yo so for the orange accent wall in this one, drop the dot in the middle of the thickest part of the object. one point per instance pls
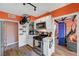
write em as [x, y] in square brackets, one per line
[71, 8]
[32, 18]
[4, 15]
[68, 9]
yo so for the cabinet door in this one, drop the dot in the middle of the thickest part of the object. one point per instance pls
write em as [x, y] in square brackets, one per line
[30, 40]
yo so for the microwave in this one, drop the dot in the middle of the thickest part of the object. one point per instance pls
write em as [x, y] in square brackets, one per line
[41, 25]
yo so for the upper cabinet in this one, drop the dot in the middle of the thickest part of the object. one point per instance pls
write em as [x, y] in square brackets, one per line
[44, 23]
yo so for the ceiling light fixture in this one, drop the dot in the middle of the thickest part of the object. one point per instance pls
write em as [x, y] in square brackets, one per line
[31, 5]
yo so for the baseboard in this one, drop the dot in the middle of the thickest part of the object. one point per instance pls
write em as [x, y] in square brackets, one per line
[29, 46]
[12, 43]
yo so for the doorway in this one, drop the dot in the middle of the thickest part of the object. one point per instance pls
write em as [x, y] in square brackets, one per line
[66, 36]
[61, 33]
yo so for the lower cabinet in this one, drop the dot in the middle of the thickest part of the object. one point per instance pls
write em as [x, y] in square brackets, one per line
[30, 40]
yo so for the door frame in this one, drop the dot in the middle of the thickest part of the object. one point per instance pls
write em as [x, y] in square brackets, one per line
[6, 20]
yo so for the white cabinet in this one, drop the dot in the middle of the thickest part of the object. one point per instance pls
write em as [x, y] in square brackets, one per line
[45, 46]
[47, 20]
[23, 34]
[30, 40]
[48, 46]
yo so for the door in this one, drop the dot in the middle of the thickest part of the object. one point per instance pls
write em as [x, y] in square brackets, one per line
[61, 33]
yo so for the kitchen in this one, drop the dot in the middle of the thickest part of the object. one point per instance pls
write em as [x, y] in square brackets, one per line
[37, 35]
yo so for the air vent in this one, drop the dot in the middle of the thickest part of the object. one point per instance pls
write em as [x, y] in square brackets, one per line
[11, 16]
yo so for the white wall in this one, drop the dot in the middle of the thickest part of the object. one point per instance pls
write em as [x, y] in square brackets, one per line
[78, 33]
[23, 36]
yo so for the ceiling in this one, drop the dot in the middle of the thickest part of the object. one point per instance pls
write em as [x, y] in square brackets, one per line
[20, 9]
